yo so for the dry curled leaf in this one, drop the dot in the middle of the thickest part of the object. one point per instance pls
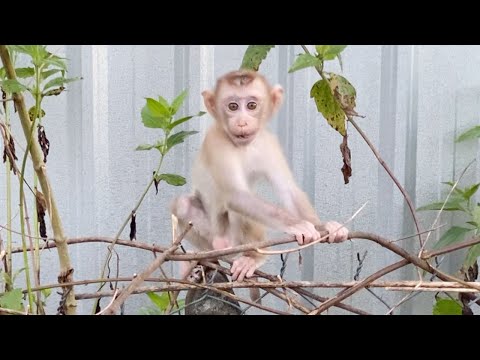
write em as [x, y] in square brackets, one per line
[4, 97]
[41, 209]
[10, 154]
[156, 181]
[133, 227]
[43, 141]
[347, 160]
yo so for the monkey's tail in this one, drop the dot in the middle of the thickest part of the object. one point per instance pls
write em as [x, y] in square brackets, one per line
[255, 295]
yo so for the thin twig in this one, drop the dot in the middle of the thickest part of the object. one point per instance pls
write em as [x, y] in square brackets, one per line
[380, 160]
[322, 239]
[110, 304]
[141, 277]
[4, 311]
[443, 206]
[326, 305]
[448, 249]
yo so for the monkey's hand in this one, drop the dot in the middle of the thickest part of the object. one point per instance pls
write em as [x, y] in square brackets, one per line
[336, 234]
[243, 267]
[304, 232]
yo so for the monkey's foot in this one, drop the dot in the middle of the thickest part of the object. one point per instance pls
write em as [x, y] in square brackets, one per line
[243, 267]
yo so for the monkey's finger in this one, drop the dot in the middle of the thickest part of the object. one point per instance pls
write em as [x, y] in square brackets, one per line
[243, 272]
[251, 271]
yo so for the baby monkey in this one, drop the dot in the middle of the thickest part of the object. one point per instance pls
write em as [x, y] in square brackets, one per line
[237, 151]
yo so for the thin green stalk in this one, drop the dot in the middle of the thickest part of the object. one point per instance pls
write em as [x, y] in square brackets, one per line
[36, 252]
[117, 236]
[22, 196]
[8, 260]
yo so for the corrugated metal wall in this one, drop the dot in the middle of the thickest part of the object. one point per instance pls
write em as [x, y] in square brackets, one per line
[416, 100]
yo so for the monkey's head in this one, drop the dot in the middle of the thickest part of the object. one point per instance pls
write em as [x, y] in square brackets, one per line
[242, 103]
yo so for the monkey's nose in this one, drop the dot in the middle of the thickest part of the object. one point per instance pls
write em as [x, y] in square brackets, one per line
[242, 125]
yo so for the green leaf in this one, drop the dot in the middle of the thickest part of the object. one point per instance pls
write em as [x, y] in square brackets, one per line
[344, 92]
[472, 133]
[48, 73]
[59, 81]
[451, 236]
[476, 214]
[32, 112]
[340, 61]
[178, 101]
[329, 52]
[182, 120]
[24, 49]
[450, 205]
[145, 147]
[12, 300]
[303, 61]
[161, 301]
[163, 102]
[172, 179]
[25, 72]
[328, 106]
[46, 293]
[254, 55]
[12, 86]
[150, 121]
[56, 61]
[178, 138]
[447, 307]
[473, 223]
[157, 109]
[2, 73]
[472, 256]
[468, 192]
[457, 190]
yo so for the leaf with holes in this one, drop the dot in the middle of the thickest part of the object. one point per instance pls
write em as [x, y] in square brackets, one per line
[447, 307]
[178, 138]
[329, 52]
[160, 301]
[328, 106]
[32, 112]
[12, 300]
[254, 55]
[472, 256]
[304, 61]
[172, 179]
[344, 93]
[472, 133]
[12, 86]
[451, 236]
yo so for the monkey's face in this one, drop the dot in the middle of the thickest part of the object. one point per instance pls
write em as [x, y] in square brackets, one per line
[243, 111]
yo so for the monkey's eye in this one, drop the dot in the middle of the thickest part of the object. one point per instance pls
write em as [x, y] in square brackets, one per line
[252, 105]
[233, 106]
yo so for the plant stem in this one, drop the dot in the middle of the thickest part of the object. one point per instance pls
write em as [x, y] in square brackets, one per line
[8, 259]
[379, 158]
[66, 270]
[125, 223]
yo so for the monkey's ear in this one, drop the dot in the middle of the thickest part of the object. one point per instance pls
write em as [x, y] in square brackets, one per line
[209, 101]
[277, 97]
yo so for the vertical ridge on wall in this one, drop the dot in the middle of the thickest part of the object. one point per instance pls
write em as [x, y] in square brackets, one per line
[387, 143]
